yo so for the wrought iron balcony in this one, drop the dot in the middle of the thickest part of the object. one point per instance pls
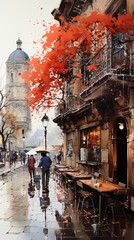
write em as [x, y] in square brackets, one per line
[71, 104]
[115, 58]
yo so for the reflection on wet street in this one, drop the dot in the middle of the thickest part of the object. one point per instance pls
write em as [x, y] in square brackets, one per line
[29, 212]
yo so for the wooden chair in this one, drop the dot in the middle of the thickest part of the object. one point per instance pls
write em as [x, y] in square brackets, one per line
[109, 179]
[122, 184]
[84, 196]
[115, 210]
[121, 196]
[107, 196]
[70, 183]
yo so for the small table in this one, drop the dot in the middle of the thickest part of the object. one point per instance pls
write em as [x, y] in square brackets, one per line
[57, 166]
[56, 169]
[67, 170]
[77, 175]
[61, 171]
[104, 187]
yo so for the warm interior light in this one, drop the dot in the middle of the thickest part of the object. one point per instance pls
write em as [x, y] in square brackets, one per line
[121, 126]
[84, 140]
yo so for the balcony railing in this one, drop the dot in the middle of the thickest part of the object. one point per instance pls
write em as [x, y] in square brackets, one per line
[117, 57]
[72, 103]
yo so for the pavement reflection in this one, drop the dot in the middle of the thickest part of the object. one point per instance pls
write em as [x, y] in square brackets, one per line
[30, 212]
[31, 189]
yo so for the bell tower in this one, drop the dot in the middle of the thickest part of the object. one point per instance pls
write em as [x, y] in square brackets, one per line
[16, 64]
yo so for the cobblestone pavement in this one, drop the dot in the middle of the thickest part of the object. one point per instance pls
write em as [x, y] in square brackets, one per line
[28, 212]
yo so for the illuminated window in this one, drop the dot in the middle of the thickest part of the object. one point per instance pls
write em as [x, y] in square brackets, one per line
[90, 138]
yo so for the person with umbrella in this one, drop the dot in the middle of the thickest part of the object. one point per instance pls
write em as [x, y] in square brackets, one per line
[45, 163]
[31, 166]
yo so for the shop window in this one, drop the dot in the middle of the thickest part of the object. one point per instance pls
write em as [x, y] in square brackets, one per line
[90, 139]
[69, 148]
[69, 152]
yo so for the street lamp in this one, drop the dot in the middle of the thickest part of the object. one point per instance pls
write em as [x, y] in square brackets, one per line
[45, 121]
[23, 138]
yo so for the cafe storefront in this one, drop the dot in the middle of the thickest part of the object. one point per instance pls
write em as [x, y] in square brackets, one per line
[90, 143]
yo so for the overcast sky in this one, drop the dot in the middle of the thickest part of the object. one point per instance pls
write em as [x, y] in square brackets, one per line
[24, 19]
[21, 18]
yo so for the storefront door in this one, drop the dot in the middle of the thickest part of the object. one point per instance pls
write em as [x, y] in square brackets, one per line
[121, 147]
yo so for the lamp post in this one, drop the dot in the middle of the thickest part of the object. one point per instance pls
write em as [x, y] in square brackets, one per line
[45, 120]
[23, 138]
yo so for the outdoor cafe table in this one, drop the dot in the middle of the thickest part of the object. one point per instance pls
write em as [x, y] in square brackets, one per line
[61, 171]
[57, 166]
[103, 187]
[67, 170]
[77, 175]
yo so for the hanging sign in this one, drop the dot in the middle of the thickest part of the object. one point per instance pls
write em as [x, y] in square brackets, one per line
[104, 155]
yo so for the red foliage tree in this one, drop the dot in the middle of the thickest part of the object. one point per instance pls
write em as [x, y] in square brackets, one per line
[61, 49]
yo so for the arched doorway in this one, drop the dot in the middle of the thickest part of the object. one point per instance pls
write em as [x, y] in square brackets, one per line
[121, 150]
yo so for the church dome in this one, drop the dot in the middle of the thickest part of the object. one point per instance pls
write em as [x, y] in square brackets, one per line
[18, 54]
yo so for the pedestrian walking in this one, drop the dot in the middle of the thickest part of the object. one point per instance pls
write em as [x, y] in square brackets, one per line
[14, 157]
[11, 156]
[23, 157]
[45, 163]
[31, 166]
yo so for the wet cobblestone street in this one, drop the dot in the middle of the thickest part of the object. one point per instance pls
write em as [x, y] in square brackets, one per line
[27, 212]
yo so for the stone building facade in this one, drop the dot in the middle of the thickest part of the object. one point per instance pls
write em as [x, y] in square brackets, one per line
[16, 64]
[98, 120]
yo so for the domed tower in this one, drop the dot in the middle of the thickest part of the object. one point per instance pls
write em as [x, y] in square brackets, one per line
[16, 64]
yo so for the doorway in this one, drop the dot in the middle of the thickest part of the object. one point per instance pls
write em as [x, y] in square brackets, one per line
[121, 147]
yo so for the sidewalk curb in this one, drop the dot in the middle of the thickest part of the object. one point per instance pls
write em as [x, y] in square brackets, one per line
[6, 171]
